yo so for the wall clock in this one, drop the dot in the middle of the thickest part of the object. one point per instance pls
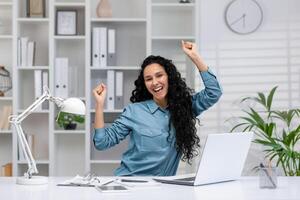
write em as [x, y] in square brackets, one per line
[243, 16]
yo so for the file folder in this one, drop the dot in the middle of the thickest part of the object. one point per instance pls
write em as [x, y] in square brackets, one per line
[45, 82]
[111, 50]
[110, 90]
[61, 77]
[103, 47]
[38, 85]
[119, 91]
[96, 47]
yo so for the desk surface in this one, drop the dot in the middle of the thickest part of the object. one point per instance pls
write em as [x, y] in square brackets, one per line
[245, 188]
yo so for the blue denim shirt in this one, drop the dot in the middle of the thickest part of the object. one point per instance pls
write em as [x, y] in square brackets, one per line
[150, 151]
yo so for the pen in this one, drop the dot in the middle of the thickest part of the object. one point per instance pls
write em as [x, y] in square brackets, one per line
[73, 184]
[107, 182]
[133, 181]
[268, 174]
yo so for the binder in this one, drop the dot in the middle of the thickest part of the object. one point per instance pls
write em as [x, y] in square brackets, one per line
[61, 77]
[45, 104]
[119, 100]
[96, 47]
[110, 90]
[38, 85]
[73, 81]
[103, 47]
[30, 141]
[21, 155]
[30, 53]
[111, 50]
[19, 52]
[24, 41]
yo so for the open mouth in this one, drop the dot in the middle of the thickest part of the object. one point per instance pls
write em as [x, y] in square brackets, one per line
[158, 89]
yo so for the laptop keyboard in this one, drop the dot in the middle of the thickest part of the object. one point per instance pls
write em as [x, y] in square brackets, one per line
[186, 179]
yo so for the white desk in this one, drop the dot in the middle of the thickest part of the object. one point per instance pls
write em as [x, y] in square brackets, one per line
[246, 188]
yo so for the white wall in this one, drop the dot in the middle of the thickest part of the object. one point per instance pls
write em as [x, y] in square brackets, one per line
[246, 64]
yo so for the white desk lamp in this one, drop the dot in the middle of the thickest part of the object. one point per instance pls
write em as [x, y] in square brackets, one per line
[71, 106]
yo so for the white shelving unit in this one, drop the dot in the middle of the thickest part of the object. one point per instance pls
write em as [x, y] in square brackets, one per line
[6, 59]
[143, 27]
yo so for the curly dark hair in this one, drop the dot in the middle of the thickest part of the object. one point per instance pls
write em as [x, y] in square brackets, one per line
[179, 98]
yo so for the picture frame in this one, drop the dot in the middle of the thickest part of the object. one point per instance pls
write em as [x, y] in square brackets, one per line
[35, 8]
[66, 22]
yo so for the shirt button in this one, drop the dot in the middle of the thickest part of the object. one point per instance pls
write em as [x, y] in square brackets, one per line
[166, 116]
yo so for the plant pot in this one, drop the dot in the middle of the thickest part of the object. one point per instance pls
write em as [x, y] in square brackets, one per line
[71, 126]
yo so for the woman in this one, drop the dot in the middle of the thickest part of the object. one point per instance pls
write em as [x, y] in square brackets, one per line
[161, 119]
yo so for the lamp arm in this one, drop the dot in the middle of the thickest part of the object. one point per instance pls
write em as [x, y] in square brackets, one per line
[16, 121]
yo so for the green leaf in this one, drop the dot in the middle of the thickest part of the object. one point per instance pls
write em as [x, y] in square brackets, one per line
[262, 99]
[270, 98]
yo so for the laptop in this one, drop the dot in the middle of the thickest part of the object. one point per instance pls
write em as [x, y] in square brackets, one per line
[222, 160]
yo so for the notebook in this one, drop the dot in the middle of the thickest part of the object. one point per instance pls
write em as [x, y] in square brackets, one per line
[222, 160]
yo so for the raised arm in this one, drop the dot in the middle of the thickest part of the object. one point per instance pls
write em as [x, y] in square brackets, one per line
[212, 91]
[99, 93]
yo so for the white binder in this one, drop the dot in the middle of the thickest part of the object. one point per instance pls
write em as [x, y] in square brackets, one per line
[45, 82]
[19, 54]
[61, 77]
[38, 85]
[30, 53]
[96, 47]
[111, 50]
[110, 90]
[103, 46]
[119, 100]
[24, 41]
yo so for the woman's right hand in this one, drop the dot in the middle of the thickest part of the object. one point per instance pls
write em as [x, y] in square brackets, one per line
[99, 93]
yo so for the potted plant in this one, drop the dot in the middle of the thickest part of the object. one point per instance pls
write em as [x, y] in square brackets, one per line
[69, 121]
[277, 130]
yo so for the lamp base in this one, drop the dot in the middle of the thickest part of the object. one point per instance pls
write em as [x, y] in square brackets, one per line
[34, 180]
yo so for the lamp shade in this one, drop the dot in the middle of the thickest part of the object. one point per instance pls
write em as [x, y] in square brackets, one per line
[73, 106]
[72, 111]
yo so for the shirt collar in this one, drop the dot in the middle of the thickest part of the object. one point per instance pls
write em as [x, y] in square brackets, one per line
[153, 107]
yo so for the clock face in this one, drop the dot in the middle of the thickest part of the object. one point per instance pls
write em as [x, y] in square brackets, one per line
[243, 16]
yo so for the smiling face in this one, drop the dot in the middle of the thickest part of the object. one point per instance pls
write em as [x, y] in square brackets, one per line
[156, 81]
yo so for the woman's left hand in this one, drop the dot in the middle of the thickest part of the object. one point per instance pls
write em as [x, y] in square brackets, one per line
[190, 49]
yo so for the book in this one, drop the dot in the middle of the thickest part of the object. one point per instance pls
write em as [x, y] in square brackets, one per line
[45, 82]
[19, 54]
[30, 53]
[5, 113]
[21, 156]
[24, 41]
[74, 84]
[30, 141]
[6, 170]
[6, 125]
[38, 88]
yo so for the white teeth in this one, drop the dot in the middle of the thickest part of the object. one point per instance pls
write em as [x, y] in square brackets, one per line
[157, 89]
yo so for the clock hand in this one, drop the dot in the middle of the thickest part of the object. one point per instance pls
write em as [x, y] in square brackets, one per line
[244, 25]
[237, 20]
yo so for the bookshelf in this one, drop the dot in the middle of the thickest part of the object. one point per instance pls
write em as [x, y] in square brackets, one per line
[6, 58]
[141, 30]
